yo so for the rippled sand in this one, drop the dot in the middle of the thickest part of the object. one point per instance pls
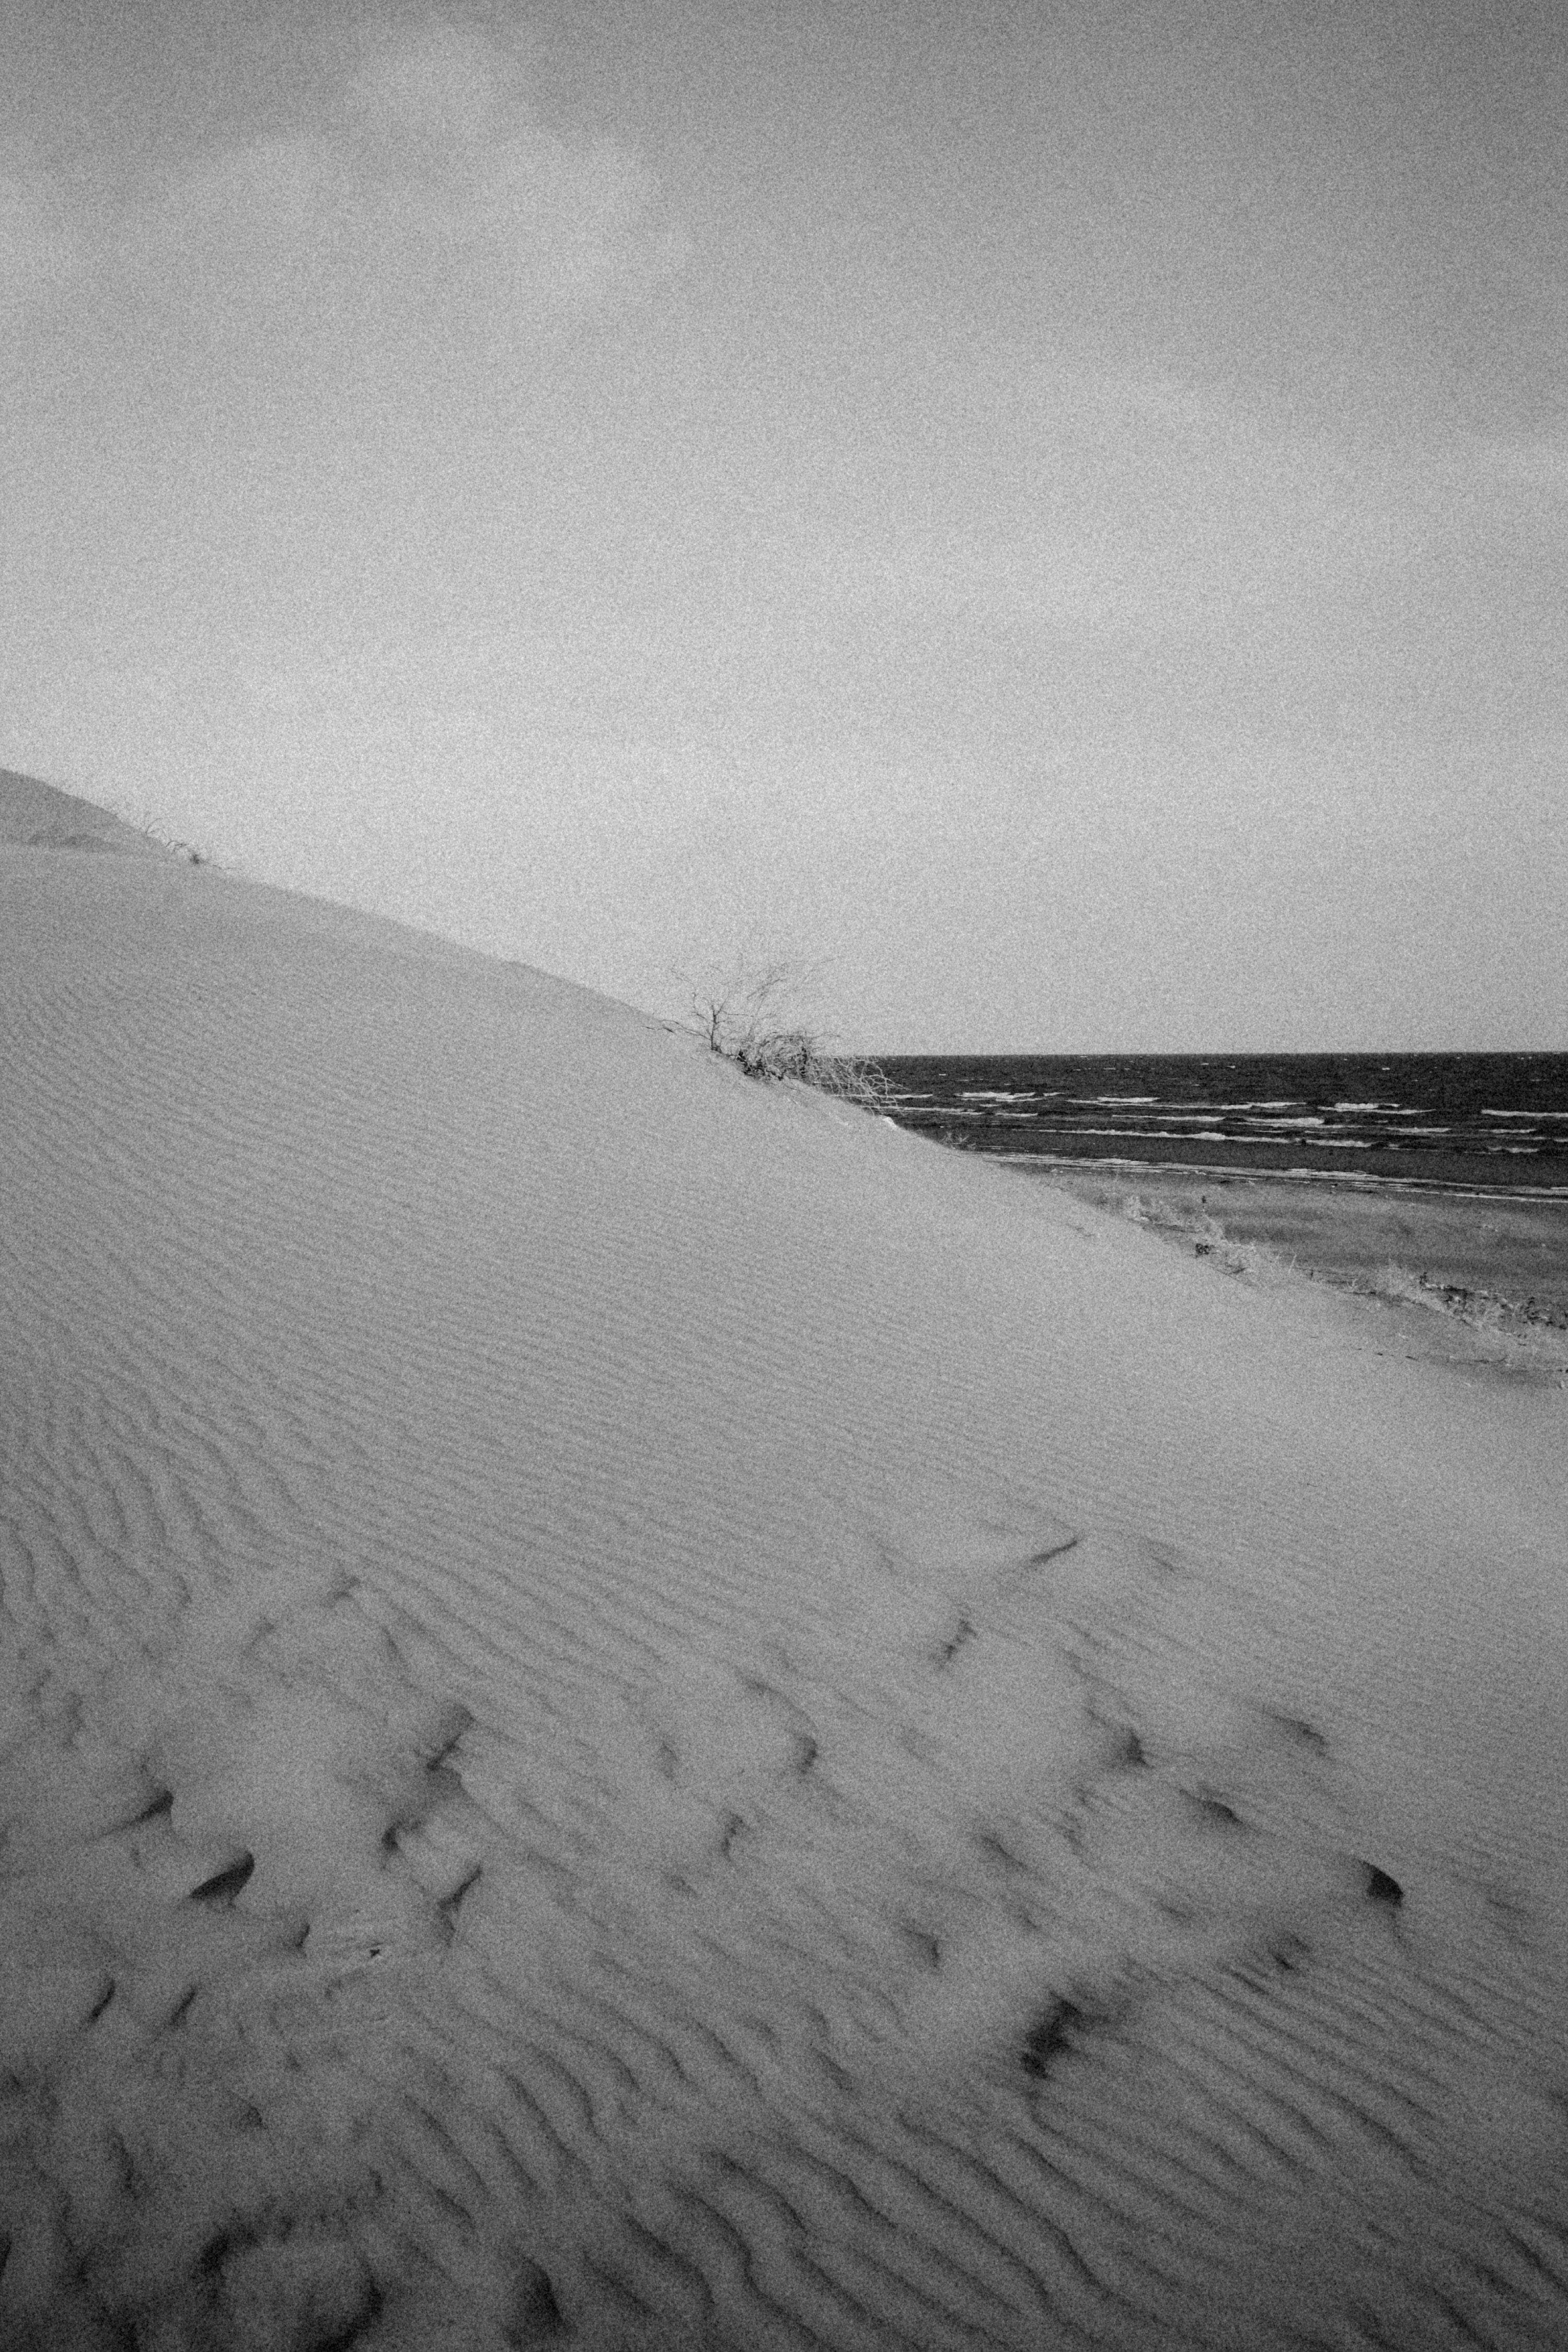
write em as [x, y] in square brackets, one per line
[640, 1711]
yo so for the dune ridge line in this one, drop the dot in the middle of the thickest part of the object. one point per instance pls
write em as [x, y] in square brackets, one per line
[636, 1710]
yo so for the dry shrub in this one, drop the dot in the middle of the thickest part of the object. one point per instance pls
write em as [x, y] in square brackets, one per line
[749, 1014]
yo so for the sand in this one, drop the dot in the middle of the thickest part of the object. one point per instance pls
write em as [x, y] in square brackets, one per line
[1477, 1280]
[641, 1711]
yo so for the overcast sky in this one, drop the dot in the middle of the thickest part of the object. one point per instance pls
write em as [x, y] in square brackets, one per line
[1056, 512]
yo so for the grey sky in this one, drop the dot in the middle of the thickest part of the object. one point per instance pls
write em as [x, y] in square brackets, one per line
[1058, 511]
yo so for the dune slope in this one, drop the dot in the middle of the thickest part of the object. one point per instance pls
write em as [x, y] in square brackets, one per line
[638, 1711]
[35, 815]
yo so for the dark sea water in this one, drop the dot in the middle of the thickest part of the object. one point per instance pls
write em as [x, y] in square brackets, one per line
[1463, 1121]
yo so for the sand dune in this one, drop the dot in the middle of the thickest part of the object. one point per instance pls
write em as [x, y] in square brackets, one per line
[639, 1711]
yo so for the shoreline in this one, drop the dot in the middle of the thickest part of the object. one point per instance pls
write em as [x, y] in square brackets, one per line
[1457, 1276]
[1219, 1172]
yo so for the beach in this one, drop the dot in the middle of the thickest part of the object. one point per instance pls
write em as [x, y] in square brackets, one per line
[1469, 1276]
[637, 1710]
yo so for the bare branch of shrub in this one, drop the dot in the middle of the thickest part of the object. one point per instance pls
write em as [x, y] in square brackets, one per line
[749, 1013]
[140, 818]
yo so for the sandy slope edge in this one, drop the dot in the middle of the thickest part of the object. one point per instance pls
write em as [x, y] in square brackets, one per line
[35, 815]
[640, 1711]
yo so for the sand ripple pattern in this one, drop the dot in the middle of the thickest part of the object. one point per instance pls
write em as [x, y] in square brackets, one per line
[640, 1713]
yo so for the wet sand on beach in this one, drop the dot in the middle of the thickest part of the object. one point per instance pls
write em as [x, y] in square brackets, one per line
[1487, 1263]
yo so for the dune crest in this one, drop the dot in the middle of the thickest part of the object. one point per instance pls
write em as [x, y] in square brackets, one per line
[638, 1711]
[35, 815]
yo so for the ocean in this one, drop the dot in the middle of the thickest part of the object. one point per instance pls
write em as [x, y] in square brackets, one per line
[1458, 1122]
